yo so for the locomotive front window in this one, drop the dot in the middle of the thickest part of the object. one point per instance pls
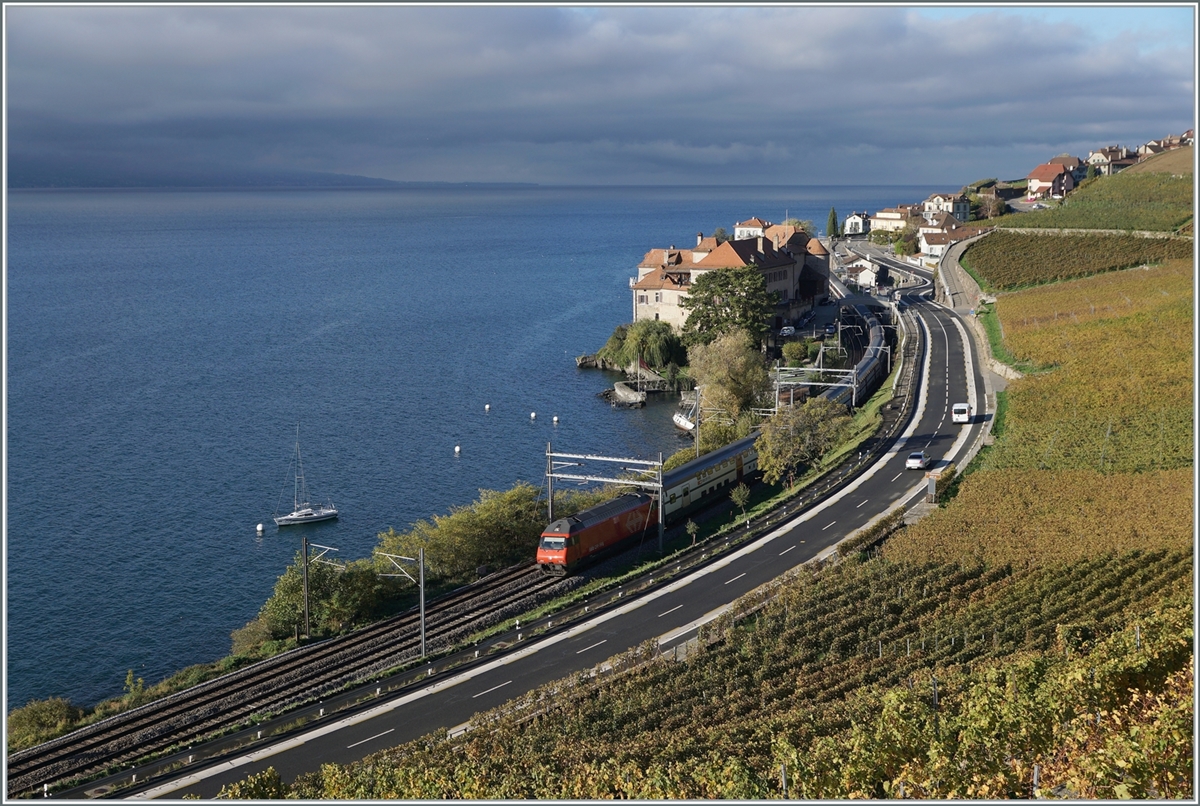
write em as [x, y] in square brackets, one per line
[554, 543]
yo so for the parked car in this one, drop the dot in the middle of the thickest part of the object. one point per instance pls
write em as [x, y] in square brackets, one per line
[831, 329]
[960, 413]
[917, 460]
[787, 331]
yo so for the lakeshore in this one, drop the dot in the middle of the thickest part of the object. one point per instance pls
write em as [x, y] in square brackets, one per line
[195, 312]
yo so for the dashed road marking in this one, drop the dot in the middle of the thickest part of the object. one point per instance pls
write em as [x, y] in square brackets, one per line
[490, 690]
[376, 736]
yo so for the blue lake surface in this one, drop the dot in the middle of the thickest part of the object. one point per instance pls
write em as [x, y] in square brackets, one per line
[163, 345]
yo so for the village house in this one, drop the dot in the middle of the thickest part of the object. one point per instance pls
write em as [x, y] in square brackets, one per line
[857, 224]
[937, 222]
[1049, 179]
[793, 266]
[935, 244]
[864, 272]
[1112, 159]
[956, 204]
[896, 219]
[1076, 166]
[750, 228]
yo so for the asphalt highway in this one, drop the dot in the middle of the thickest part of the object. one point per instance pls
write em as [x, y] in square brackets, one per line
[949, 374]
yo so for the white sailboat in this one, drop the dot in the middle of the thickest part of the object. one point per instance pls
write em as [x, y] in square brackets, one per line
[687, 422]
[303, 511]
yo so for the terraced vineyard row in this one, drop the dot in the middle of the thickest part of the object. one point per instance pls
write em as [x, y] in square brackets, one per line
[1009, 260]
[787, 685]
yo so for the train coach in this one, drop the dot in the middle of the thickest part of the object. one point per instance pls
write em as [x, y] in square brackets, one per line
[700, 483]
[569, 542]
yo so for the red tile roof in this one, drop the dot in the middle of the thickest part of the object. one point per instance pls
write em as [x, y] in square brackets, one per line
[1047, 171]
[658, 280]
[739, 254]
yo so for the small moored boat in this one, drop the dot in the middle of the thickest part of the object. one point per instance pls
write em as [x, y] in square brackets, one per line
[303, 511]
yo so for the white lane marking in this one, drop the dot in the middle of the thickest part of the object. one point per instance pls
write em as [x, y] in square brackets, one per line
[865, 500]
[593, 646]
[831, 523]
[672, 610]
[571, 632]
[736, 578]
[898, 475]
[785, 551]
[376, 736]
[490, 690]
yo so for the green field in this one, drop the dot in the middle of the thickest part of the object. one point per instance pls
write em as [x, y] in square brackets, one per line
[1134, 201]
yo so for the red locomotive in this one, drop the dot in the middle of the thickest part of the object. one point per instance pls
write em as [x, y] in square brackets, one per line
[568, 541]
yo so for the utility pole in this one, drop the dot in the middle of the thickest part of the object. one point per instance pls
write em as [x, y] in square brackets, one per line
[304, 574]
[420, 560]
[305, 577]
[549, 487]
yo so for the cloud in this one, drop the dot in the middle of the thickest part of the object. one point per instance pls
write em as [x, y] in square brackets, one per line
[587, 95]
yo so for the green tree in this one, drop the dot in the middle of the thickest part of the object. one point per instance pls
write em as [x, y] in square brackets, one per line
[798, 436]
[725, 300]
[803, 224]
[498, 529]
[654, 340]
[741, 496]
[720, 234]
[731, 373]
[692, 529]
[907, 244]
[992, 206]
[832, 227]
[795, 352]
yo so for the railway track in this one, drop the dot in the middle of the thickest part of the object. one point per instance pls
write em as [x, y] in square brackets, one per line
[270, 686]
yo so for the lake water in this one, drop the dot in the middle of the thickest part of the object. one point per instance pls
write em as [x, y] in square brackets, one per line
[163, 345]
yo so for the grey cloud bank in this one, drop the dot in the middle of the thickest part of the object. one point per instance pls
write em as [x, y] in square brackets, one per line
[805, 95]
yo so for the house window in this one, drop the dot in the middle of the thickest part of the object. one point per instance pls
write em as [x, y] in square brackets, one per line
[641, 299]
[658, 296]
[655, 317]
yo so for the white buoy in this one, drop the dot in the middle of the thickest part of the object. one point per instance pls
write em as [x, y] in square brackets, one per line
[457, 449]
[556, 419]
[259, 529]
[533, 415]
[487, 406]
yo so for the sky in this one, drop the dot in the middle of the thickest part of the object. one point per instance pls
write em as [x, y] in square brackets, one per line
[605, 94]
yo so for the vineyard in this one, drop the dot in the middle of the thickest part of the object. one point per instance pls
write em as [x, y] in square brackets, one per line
[1011, 260]
[1049, 517]
[1152, 202]
[831, 683]
[1120, 396]
[1031, 638]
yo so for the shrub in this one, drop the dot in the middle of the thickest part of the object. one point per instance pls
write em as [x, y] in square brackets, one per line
[39, 721]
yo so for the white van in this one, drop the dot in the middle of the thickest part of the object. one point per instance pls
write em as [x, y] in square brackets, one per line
[960, 413]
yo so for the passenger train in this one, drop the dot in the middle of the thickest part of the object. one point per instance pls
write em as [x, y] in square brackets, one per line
[570, 542]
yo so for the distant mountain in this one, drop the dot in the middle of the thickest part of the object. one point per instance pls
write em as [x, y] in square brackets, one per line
[44, 173]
